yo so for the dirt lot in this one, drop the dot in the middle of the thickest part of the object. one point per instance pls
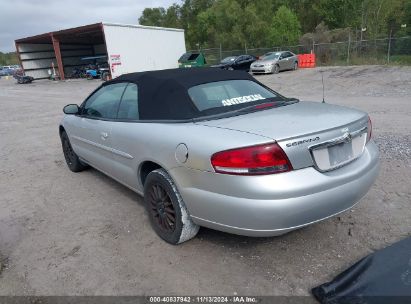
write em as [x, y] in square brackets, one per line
[84, 234]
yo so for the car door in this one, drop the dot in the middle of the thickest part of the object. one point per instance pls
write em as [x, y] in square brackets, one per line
[90, 134]
[282, 61]
[289, 60]
[249, 60]
[126, 132]
[239, 63]
[244, 63]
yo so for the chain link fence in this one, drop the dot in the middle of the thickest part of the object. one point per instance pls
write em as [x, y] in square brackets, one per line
[377, 51]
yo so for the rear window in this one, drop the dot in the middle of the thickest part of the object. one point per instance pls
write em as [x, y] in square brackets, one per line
[223, 96]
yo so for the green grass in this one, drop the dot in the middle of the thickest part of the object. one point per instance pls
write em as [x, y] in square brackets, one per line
[400, 59]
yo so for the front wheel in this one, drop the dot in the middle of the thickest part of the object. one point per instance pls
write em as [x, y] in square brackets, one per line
[72, 160]
[166, 209]
[276, 69]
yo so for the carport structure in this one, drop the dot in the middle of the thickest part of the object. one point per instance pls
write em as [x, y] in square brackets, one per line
[62, 50]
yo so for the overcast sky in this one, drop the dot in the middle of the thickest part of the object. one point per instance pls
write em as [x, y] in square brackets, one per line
[23, 18]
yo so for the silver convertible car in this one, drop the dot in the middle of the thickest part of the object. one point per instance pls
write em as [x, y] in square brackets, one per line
[215, 148]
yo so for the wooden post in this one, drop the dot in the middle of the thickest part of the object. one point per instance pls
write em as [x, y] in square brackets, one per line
[56, 46]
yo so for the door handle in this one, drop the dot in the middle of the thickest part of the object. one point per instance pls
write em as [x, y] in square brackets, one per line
[104, 135]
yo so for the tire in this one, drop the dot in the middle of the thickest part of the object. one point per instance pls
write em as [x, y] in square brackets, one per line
[166, 209]
[230, 69]
[72, 160]
[89, 77]
[276, 69]
[105, 76]
[295, 67]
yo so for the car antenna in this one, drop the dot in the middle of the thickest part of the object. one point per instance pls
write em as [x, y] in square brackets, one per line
[322, 80]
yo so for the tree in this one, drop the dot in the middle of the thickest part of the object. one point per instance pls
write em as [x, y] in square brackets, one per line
[234, 23]
[172, 17]
[153, 16]
[339, 13]
[8, 58]
[285, 27]
[159, 16]
[190, 11]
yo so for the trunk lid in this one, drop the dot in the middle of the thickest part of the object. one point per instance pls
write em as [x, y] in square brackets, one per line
[301, 126]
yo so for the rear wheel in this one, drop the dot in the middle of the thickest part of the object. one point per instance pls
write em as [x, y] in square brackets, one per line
[166, 209]
[295, 66]
[276, 69]
[72, 160]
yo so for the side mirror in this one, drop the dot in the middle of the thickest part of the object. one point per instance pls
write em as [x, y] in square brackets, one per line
[71, 109]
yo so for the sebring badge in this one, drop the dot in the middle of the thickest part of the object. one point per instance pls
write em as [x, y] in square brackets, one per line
[300, 142]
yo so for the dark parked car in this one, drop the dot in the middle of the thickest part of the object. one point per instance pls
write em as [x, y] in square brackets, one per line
[241, 62]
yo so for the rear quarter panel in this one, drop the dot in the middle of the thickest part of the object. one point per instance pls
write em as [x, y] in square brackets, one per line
[157, 142]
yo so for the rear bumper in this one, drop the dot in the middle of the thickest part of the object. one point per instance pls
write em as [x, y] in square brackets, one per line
[274, 204]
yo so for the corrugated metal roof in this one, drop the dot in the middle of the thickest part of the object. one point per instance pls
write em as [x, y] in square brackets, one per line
[144, 26]
[42, 38]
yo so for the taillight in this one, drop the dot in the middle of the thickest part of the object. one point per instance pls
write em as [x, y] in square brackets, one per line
[369, 129]
[254, 160]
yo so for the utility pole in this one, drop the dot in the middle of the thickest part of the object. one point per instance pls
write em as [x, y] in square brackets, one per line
[349, 46]
[389, 47]
[221, 53]
[362, 20]
[245, 46]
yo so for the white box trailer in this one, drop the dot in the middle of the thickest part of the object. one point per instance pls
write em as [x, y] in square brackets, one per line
[133, 48]
[126, 48]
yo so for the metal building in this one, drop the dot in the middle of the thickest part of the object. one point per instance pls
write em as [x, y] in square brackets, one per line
[128, 48]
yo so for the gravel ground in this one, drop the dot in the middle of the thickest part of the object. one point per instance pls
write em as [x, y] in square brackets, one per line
[84, 234]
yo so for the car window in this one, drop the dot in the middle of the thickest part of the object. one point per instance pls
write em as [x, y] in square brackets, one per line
[229, 59]
[271, 56]
[104, 102]
[222, 94]
[129, 103]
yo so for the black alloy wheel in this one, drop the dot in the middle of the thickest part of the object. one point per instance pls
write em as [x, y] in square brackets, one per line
[161, 208]
[166, 209]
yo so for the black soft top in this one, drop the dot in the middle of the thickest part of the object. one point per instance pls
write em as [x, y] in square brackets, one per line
[162, 95]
